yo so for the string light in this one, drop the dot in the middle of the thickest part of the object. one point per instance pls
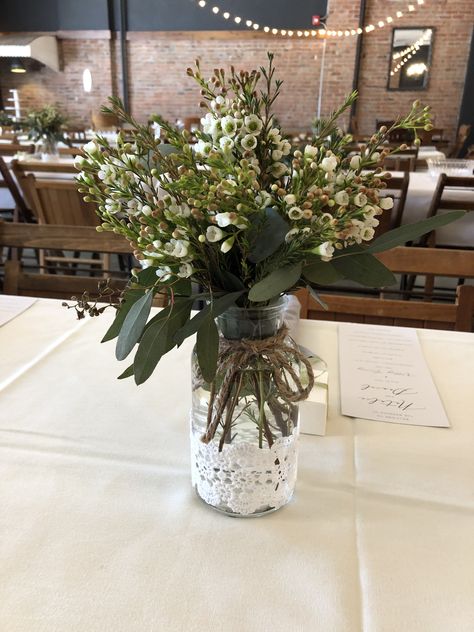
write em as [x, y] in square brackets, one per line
[410, 8]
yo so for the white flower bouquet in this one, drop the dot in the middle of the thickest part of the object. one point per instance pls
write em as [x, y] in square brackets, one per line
[238, 213]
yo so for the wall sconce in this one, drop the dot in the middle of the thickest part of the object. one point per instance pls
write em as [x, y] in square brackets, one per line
[87, 80]
[16, 65]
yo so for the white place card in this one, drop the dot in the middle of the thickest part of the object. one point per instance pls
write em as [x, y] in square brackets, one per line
[384, 376]
[13, 306]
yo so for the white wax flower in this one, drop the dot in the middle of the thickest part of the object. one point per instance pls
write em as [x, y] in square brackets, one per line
[325, 250]
[227, 244]
[213, 233]
[185, 270]
[278, 169]
[164, 273]
[249, 142]
[355, 162]
[360, 199]
[290, 235]
[177, 248]
[295, 213]
[226, 143]
[386, 203]
[263, 199]
[181, 210]
[310, 151]
[146, 210]
[207, 123]
[285, 147]
[253, 124]
[290, 199]
[367, 233]
[202, 148]
[277, 154]
[91, 148]
[371, 222]
[228, 125]
[342, 198]
[79, 161]
[226, 219]
[329, 163]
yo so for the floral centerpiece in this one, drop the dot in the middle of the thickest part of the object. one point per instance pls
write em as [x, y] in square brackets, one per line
[46, 128]
[244, 219]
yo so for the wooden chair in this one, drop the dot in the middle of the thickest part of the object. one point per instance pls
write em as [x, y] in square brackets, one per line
[404, 160]
[443, 199]
[101, 121]
[396, 136]
[21, 169]
[461, 138]
[59, 202]
[382, 311]
[21, 211]
[9, 137]
[70, 151]
[11, 149]
[429, 137]
[77, 238]
[397, 187]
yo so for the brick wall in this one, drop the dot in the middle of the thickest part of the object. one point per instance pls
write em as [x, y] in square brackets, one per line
[453, 23]
[158, 82]
[65, 88]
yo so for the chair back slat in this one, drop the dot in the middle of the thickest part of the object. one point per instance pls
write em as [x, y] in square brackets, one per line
[397, 188]
[71, 238]
[10, 149]
[59, 202]
[446, 188]
[80, 238]
[422, 261]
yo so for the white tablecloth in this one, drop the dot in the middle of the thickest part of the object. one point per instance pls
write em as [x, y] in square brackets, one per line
[100, 530]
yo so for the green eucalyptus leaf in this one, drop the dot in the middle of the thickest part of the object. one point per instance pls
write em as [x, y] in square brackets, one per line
[133, 325]
[322, 272]
[127, 373]
[364, 269]
[217, 307]
[147, 276]
[131, 297]
[275, 283]
[400, 236]
[158, 338]
[268, 236]
[183, 287]
[207, 348]
[227, 281]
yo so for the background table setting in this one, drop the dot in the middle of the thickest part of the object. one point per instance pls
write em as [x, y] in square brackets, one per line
[101, 530]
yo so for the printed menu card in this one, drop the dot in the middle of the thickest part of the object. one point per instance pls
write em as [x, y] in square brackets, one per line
[384, 376]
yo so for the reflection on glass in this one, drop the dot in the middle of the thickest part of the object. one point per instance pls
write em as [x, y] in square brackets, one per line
[410, 58]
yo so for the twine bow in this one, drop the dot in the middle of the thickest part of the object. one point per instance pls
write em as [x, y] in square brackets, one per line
[275, 355]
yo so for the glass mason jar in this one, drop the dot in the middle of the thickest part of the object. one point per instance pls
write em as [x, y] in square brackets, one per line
[47, 148]
[244, 425]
